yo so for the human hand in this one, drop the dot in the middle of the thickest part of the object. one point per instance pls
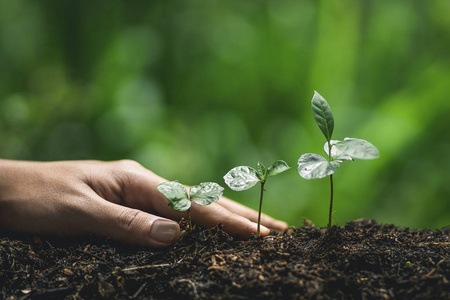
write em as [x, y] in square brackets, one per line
[113, 199]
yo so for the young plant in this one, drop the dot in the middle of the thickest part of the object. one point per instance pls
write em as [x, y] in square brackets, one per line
[313, 166]
[203, 194]
[242, 178]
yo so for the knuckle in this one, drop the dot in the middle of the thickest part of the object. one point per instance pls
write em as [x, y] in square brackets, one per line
[128, 164]
[128, 217]
[124, 171]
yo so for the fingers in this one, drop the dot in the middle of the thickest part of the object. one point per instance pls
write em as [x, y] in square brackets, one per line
[135, 226]
[251, 214]
[69, 198]
[234, 224]
[137, 188]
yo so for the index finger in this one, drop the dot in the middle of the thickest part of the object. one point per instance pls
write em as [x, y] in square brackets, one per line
[251, 214]
[234, 224]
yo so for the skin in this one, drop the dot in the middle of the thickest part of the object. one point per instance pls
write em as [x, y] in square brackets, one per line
[115, 199]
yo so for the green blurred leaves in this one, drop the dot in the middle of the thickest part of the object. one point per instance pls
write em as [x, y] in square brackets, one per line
[191, 90]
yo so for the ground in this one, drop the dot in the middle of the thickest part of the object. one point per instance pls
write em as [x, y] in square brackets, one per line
[360, 260]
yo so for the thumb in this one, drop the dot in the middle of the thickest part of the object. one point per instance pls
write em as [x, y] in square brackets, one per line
[134, 226]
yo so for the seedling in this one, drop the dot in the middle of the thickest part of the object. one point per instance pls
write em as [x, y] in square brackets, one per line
[203, 194]
[313, 166]
[242, 178]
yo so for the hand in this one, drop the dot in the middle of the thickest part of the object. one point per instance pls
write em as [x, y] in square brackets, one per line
[112, 199]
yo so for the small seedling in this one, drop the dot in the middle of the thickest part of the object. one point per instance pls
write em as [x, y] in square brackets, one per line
[313, 166]
[242, 178]
[203, 194]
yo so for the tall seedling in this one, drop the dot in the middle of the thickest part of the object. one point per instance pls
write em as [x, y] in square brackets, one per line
[313, 166]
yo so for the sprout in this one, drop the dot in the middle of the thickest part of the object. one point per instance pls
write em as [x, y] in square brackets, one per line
[313, 166]
[242, 178]
[203, 194]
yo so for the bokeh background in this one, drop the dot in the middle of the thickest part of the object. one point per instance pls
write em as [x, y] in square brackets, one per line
[191, 89]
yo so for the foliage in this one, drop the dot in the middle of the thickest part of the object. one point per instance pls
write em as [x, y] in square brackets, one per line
[189, 88]
[242, 178]
[313, 166]
[203, 194]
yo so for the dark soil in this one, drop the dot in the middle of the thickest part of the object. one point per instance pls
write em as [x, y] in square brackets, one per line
[361, 260]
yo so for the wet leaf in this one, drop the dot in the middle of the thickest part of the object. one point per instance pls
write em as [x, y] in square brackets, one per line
[206, 193]
[241, 178]
[261, 171]
[323, 115]
[176, 193]
[314, 166]
[336, 153]
[356, 148]
[277, 167]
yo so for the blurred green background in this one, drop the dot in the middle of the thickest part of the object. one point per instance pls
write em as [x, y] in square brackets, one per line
[191, 89]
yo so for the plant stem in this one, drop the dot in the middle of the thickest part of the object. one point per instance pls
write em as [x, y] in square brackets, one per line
[329, 150]
[330, 214]
[189, 217]
[331, 202]
[260, 207]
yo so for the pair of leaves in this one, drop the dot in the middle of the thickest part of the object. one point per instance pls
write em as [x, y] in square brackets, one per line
[243, 177]
[203, 194]
[313, 166]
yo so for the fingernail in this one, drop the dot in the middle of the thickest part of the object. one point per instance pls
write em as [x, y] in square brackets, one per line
[166, 232]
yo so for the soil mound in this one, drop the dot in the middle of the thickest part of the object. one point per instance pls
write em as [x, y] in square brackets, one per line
[361, 260]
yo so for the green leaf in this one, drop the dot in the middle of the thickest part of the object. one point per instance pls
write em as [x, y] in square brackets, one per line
[241, 178]
[261, 171]
[314, 166]
[206, 193]
[323, 115]
[176, 193]
[357, 148]
[277, 167]
[336, 153]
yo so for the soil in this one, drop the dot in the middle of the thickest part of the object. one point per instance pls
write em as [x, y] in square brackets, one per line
[360, 260]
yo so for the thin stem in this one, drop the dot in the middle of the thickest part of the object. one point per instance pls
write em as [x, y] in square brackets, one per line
[331, 202]
[260, 207]
[330, 214]
[329, 150]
